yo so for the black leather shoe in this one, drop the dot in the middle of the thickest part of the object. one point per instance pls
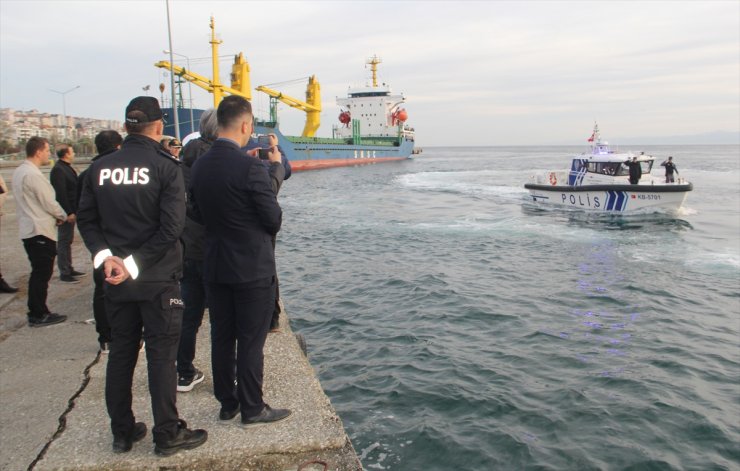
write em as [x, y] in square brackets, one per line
[122, 444]
[185, 439]
[267, 416]
[46, 319]
[77, 273]
[6, 288]
[228, 414]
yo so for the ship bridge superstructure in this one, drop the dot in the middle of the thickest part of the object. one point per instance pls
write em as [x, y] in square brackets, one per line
[372, 110]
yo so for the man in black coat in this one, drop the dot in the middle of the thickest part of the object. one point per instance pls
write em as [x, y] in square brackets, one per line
[635, 170]
[106, 142]
[63, 178]
[233, 196]
[131, 215]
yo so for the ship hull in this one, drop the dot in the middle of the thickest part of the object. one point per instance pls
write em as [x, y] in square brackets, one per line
[317, 155]
[611, 198]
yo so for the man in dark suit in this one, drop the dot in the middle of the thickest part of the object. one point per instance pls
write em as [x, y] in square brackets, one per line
[63, 178]
[233, 196]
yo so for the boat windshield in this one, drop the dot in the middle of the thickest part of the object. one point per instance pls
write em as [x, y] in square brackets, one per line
[617, 168]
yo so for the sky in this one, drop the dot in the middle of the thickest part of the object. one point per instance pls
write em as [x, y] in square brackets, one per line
[474, 73]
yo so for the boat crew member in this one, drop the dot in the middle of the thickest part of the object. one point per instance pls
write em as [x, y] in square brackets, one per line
[635, 170]
[63, 178]
[131, 216]
[670, 167]
[38, 215]
[233, 196]
[106, 142]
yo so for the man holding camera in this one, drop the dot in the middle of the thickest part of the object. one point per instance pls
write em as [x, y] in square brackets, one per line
[233, 197]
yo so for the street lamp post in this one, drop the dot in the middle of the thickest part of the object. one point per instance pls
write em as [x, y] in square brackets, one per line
[190, 88]
[64, 106]
[172, 75]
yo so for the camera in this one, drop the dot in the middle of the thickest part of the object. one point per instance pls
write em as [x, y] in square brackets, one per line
[263, 140]
[264, 154]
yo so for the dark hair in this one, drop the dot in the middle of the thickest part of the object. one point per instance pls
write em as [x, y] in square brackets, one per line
[108, 140]
[138, 128]
[63, 150]
[231, 109]
[34, 145]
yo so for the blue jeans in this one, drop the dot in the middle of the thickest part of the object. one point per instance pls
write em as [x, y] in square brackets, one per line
[194, 297]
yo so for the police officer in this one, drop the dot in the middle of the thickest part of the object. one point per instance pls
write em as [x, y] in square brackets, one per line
[670, 167]
[131, 215]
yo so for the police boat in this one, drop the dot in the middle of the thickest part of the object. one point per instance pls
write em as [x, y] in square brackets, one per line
[599, 181]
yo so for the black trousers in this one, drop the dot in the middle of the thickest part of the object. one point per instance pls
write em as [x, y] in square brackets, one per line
[102, 325]
[194, 296]
[41, 252]
[157, 309]
[65, 237]
[240, 319]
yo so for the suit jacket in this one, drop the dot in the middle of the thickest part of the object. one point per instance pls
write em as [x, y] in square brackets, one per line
[64, 180]
[232, 195]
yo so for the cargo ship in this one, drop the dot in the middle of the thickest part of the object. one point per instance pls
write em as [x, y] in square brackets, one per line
[371, 124]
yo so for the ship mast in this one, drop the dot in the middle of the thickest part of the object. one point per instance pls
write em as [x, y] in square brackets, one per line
[216, 82]
[374, 61]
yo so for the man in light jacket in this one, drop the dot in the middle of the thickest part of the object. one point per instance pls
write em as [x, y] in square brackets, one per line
[39, 214]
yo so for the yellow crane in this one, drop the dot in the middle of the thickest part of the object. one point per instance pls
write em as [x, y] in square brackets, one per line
[312, 105]
[241, 85]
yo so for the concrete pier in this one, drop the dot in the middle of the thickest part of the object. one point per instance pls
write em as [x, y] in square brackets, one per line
[52, 407]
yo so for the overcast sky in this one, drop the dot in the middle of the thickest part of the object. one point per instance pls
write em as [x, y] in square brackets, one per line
[473, 73]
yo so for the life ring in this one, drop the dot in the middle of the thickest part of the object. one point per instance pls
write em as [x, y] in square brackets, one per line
[553, 179]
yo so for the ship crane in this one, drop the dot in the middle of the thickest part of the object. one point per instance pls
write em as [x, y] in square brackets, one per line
[240, 85]
[312, 105]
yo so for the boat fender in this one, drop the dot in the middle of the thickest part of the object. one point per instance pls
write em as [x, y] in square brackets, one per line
[553, 179]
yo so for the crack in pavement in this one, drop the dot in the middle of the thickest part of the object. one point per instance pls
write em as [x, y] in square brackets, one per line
[63, 417]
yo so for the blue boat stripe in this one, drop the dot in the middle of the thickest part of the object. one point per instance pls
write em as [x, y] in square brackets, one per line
[610, 200]
[620, 200]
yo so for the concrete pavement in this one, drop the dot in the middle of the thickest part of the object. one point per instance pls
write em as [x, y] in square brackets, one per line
[52, 409]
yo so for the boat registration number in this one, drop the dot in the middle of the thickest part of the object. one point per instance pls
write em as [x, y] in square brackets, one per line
[648, 197]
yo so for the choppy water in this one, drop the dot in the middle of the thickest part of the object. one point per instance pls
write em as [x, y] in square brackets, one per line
[455, 327]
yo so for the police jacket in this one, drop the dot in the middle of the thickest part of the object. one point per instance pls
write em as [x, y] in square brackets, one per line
[83, 174]
[232, 195]
[670, 167]
[133, 207]
[635, 169]
[64, 180]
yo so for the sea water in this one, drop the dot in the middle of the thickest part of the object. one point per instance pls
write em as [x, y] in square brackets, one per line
[456, 326]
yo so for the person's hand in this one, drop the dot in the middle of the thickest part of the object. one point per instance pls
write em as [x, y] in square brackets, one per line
[273, 139]
[115, 271]
[254, 153]
[275, 155]
[72, 218]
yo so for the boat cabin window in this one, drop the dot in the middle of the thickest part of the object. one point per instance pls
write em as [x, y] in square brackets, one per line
[606, 168]
[617, 168]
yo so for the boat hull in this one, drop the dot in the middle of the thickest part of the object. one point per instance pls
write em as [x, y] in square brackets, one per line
[611, 198]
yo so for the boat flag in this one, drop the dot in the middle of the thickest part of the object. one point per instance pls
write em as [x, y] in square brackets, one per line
[591, 139]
